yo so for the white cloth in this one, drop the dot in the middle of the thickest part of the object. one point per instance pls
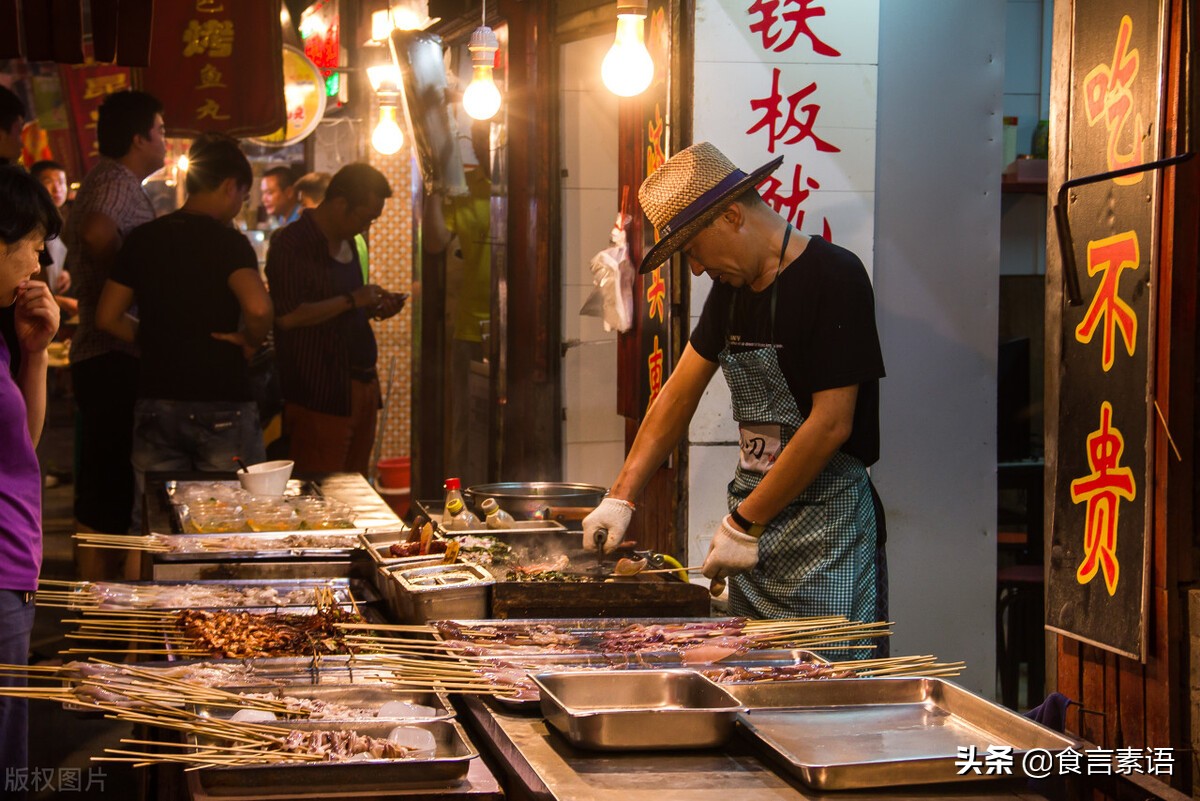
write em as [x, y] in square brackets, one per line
[612, 515]
[731, 552]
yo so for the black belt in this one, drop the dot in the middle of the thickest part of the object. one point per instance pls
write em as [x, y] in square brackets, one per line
[26, 596]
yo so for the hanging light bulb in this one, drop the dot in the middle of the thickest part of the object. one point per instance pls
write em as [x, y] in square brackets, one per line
[482, 98]
[628, 69]
[387, 137]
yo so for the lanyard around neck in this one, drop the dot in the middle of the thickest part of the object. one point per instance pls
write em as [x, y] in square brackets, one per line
[787, 235]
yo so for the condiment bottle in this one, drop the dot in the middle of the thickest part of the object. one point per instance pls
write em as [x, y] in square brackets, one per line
[453, 488]
[461, 518]
[496, 517]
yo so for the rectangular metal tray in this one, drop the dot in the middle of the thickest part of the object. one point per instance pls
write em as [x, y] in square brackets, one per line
[273, 546]
[840, 734]
[418, 602]
[448, 766]
[623, 710]
[359, 696]
[377, 543]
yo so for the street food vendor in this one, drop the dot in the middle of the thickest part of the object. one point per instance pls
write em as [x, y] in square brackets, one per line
[790, 320]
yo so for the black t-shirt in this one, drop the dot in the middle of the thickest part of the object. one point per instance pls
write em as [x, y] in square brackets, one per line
[178, 267]
[824, 333]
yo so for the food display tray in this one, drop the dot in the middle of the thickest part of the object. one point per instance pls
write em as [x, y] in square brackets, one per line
[422, 596]
[841, 734]
[377, 543]
[207, 547]
[638, 709]
[448, 766]
[359, 696]
[141, 594]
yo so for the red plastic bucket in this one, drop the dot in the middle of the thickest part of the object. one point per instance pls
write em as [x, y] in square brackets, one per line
[395, 472]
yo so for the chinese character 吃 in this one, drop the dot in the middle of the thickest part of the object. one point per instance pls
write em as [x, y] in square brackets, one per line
[1108, 95]
[798, 18]
[1103, 491]
[214, 37]
[778, 128]
[1111, 256]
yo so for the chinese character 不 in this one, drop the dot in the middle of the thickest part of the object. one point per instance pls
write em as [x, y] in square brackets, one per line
[1111, 256]
[655, 371]
[773, 116]
[210, 109]
[656, 295]
[101, 85]
[798, 19]
[214, 37]
[1103, 490]
[210, 78]
[1107, 96]
[968, 760]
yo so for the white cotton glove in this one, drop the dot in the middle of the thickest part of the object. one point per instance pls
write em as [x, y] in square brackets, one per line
[612, 515]
[731, 551]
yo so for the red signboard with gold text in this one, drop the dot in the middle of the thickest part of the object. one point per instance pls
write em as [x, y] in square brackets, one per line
[85, 86]
[216, 66]
[1098, 572]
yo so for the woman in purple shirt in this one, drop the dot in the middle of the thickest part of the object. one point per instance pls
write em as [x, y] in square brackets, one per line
[27, 220]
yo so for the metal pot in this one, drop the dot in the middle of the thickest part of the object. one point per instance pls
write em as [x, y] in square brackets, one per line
[537, 500]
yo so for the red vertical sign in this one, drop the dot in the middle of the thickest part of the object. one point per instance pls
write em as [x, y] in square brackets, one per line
[85, 87]
[217, 65]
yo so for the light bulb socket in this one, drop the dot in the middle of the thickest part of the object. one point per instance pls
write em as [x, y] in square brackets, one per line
[631, 7]
[483, 46]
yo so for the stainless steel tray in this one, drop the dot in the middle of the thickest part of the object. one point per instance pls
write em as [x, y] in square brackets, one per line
[422, 594]
[840, 734]
[377, 543]
[448, 765]
[638, 709]
[147, 595]
[364, 702]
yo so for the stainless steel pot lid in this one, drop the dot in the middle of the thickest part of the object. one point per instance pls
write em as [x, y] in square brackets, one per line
[547, 490]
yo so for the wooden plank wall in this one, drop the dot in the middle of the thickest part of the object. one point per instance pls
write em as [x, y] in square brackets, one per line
[1125, 703]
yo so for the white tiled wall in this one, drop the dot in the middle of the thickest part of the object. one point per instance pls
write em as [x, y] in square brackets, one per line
[593, 432]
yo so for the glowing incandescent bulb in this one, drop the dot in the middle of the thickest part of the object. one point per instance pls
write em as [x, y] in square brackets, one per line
[628, 69]
[482, 98]
[387, 137]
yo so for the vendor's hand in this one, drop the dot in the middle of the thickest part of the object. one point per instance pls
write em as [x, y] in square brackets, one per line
[36, 316]
[612, 515]
[63, 283]
[732, 551]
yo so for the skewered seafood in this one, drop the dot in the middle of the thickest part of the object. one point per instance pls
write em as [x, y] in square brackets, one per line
[339, 745]
[107, 595]
[242, 634]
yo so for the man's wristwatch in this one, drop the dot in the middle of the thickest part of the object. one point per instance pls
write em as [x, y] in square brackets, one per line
[753, 529]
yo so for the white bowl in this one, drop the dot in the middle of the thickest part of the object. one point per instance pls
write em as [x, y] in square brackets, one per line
[267, 478]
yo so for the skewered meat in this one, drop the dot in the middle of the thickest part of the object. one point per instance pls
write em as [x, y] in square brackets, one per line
[239, 635]
[744, 674]
[338, 745]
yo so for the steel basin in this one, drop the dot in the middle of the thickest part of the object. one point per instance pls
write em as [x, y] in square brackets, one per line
[532, 500]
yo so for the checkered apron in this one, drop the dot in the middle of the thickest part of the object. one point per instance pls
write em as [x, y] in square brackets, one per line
[817, 556]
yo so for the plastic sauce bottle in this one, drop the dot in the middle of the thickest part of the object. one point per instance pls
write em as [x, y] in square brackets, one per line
[461, 518]
[453, 487]
[496, 517]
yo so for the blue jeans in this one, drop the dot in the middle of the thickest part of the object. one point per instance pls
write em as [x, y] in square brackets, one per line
[194, 435]
[16, 623]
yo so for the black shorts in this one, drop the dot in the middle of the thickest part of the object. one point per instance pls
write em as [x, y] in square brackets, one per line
[105, 390]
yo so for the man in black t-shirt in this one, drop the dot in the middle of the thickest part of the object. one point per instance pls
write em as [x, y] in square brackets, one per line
[203, 310]
[791, 322]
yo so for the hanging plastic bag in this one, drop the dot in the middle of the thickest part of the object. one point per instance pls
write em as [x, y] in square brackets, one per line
[611, 298]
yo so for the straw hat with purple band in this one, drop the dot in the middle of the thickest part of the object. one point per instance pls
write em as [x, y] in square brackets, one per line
[688, 192]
